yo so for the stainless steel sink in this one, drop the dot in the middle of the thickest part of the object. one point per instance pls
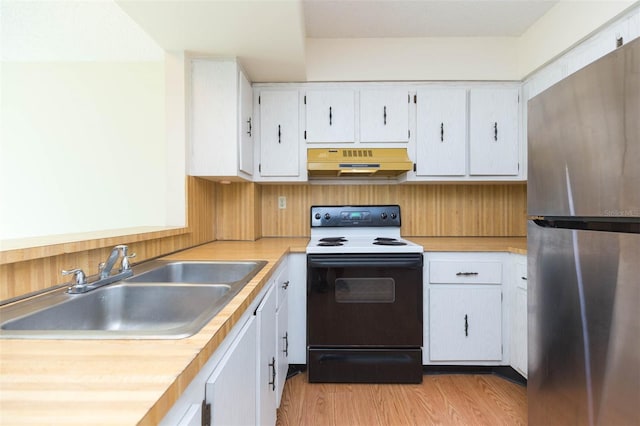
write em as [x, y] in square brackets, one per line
[196, 272]
[171, 300]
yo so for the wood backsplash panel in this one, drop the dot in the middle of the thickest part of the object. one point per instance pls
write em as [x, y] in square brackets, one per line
[238, 211]
[28, 276]
[427, 210]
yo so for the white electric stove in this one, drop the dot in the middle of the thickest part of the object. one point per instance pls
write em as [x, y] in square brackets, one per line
[358, 229]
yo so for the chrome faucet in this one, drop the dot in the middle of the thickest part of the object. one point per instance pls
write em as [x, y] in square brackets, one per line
[104, 276]
[106, 267]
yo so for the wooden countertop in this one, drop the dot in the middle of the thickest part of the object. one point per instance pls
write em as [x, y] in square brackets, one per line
[517, 245]
[137, 381]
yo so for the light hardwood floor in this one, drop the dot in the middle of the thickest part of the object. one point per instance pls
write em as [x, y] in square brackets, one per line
[449, 399]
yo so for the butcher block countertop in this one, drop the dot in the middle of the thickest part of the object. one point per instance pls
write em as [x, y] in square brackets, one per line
[127, 382]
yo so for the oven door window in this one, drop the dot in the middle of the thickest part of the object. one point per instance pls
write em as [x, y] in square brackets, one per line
[365, 290]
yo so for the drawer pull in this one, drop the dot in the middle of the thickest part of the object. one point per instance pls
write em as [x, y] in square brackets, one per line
[523, 278]
[466, 274]
[285, 285]
[466, 326]
[272, 364]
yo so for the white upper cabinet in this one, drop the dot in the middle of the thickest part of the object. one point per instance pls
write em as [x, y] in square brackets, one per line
[330, 115]
[220, 106]
[384, 115]
[493, 132]
[441, 132]
[279, 133]
[246, 125]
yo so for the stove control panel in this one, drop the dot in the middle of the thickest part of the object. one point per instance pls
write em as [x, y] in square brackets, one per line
[355, 216]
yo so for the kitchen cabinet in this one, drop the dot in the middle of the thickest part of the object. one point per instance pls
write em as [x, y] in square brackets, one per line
[229, 371]
[465, 324]
[282, 285]
[463, 310]
[279, 146]
[441, 132]
[297, 299]
[519, 315]
[221, 107]
[384, 115]
[231, 389]
[493, 131]
[266, 359]
[330, 115]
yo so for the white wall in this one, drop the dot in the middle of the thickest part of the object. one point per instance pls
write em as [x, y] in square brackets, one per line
[84, 137]
[563, 26]
[83, 147]
[444, 58]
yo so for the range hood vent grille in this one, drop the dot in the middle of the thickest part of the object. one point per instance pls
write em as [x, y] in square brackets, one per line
[350, 162]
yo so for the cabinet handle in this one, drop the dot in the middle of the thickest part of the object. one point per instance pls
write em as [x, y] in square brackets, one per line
[272, 364]
[523, 278]
[384, 115]
[466, 274]
[330, 117]
[466, 326]
[441, 132]
[279, 134]
[286, 344]
[495, 131]
[285, 285]
[249, 121]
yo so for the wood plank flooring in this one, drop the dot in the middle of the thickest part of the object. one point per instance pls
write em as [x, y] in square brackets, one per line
[447, 399]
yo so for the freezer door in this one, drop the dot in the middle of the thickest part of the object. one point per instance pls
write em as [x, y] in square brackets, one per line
[584, 328]
[584, 141]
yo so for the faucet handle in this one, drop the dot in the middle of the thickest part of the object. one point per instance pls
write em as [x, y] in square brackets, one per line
[125, 261]
[79, 276]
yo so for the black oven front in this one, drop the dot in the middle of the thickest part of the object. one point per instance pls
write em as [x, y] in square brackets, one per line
[364, 318]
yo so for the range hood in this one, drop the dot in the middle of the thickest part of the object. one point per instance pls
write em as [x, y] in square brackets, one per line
[357, 162]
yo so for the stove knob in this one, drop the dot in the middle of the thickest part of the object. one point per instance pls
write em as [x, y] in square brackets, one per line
[383, 215]
[393, 215]
[317, 216]
[327, 216]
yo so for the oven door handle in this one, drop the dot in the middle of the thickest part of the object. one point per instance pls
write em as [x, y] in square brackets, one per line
[345, 261]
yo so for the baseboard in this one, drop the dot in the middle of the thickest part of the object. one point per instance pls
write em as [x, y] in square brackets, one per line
[504, 371]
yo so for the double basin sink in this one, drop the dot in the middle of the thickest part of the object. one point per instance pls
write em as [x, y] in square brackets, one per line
[162, 300]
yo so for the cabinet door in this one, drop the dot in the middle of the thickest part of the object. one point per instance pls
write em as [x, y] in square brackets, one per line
[384, 115]
[279, 133]
[465, 324]
[231, 388]
[441, 134]
[330, 116]
[519, 352]
[246, 124]
[213, 118]
[266, 360]
[282, 348]
[493, 132]
[297, 297]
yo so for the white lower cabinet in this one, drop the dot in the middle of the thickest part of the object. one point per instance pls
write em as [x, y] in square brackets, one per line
[282, 349]
[465, 324]
[463, 308]
[519, 316]
[298, 308]
[266, 359]
[231, 391]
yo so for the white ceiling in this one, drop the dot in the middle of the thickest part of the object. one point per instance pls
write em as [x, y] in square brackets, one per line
[426, 18]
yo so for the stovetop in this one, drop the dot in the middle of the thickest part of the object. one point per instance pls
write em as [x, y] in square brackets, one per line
[357, 229]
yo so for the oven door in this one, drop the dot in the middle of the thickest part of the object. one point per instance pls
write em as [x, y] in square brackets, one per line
[364, 300]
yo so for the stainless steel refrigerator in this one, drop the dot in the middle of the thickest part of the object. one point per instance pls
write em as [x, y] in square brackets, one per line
[584, 246]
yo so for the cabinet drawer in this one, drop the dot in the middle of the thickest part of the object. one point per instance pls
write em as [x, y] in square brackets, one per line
[456, 272]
